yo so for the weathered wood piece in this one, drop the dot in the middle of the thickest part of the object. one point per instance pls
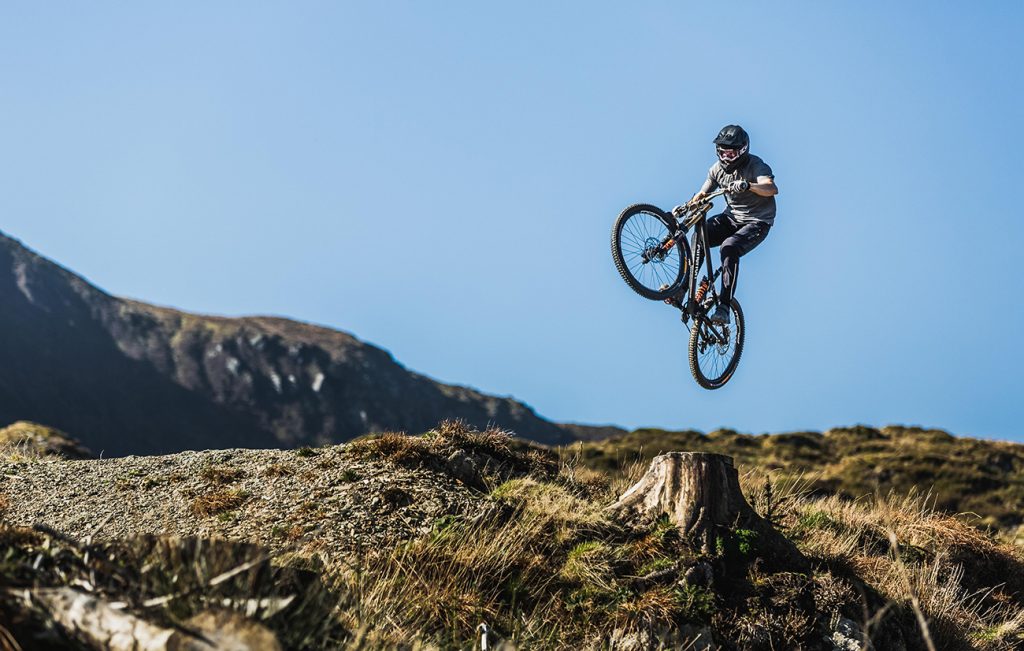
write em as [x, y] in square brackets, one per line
[105, 628]
[94, 622]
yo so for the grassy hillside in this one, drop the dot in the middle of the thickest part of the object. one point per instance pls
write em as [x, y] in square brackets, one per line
[959, 475]
[398, 541]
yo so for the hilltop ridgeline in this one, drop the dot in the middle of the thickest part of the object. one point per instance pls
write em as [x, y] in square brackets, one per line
[957, 474]
[126, 377]
[398, 541]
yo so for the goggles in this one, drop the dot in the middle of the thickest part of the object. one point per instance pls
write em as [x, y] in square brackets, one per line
[729, 154]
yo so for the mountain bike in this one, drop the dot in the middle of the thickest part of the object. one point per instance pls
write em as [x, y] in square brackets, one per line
[651, 253]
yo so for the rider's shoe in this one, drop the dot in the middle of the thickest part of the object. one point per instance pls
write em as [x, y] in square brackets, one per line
[672, 300]
[721, 315]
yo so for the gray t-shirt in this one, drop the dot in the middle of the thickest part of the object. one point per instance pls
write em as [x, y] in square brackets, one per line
[745, 206]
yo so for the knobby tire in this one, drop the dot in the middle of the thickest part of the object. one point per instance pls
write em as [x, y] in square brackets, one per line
[677, 283]
[730, 368]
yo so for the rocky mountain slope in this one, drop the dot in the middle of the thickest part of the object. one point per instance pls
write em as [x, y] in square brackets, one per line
[125, 377]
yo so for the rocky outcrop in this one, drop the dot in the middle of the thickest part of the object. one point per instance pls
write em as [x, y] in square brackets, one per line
[130, 378]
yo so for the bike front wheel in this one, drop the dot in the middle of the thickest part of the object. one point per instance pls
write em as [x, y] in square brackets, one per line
[651, 262]
[715, 349]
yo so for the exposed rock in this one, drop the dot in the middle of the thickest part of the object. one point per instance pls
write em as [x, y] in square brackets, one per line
[464, 468]
[700, 575]
[846, 636]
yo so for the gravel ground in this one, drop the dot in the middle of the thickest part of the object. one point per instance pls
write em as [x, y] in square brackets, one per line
[320, 501]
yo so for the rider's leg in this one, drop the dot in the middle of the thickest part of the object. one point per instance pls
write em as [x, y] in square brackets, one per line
[741, 242]
[719, 227]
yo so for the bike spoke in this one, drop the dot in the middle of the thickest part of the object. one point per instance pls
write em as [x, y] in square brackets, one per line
[639, 240]
[716, 359]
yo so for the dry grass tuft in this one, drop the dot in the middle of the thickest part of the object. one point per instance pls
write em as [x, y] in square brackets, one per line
[553, 501]
[18, 536]
[221, 474]
[496, 453]
[394, 446]
[21, 452]
[499, 444]
[278, 470]
[218, 502]
[545, 569]
[165, 580]
[446, 583]
[28, 441]
[956, 580]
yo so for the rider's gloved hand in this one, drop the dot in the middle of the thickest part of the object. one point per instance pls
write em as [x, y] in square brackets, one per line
[739, 185]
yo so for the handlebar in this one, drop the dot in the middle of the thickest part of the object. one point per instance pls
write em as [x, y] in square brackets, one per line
[709, 197]
[693, 211]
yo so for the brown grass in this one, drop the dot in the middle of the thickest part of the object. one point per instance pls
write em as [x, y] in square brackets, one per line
[544, 567]
[218, 502]
[964, 475]
[221, 474]
[24, 451]
[959, 583]
[278, 470]
[547, 570]
[393, 446]
[500, 453]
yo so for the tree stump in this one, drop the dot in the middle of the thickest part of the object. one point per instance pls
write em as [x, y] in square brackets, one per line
[700, 493]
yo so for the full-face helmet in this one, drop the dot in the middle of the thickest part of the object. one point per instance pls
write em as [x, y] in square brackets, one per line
[732, 146]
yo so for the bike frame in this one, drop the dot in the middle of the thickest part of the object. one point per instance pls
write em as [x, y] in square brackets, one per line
[695, 217]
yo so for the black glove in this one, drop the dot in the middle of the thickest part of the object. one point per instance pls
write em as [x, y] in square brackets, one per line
[739, 185]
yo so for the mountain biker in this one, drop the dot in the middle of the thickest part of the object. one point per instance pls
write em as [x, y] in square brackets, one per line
[750, 209]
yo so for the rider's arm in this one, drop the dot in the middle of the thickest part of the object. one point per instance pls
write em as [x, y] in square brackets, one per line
[708, 186]
[765, 186]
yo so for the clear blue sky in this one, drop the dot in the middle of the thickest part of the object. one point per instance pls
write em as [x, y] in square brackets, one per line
[441, 178]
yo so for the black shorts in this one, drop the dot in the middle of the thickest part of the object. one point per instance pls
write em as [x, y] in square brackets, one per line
[741, 237]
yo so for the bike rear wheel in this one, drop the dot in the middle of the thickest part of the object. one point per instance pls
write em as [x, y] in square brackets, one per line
[648, 259]
[713, 361]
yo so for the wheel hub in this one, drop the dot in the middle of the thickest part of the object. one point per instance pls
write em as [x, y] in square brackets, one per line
[723, 347]
[653, 251]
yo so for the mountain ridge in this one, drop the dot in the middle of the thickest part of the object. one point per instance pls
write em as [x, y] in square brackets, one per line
[127, 377]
